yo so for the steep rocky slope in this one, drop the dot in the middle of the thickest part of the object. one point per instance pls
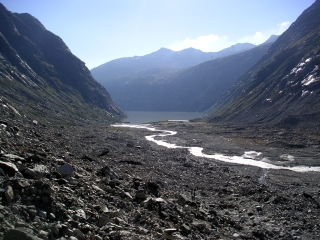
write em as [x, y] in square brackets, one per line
[284, 87]
[38, 71]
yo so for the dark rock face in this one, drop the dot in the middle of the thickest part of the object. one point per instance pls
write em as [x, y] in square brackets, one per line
[285, 84]
[168, 89]
[37, 67]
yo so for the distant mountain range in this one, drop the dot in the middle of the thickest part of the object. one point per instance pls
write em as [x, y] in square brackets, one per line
[187, 80]
[284, 86]
[39, 73]
[162, 60]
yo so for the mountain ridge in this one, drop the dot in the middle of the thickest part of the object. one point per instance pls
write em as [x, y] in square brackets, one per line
[161, 60]
[130, 80]
[184, 90]
[37, 66]
[284, 85]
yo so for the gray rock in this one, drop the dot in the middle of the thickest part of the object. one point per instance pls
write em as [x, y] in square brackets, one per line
[79, 234]
[126, 194]
[236, 236]
[32, 211]
[97, 237]
[43, 214]
[67, 231]
[37, 172]
[21, 183]
[81, 214]
[113, 214]
[170, 230]
[8, 167]
[19, 233]
[9, 194]
[259, 208]
[185, 228]
[43, 234]
[141, 194]
[97, 188]
[20, 225]
[15, 210]
[168, 236]
[200, 225]
[14, 157]
[183, 199]
[1, 217]
[55, 230]
[103, 220]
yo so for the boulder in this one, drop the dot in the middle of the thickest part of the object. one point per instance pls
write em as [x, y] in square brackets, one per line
[8, 167]
[9, 194]
[37, 172]
[65, 170]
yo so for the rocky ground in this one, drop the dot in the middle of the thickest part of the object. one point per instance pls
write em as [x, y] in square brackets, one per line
[102, 182]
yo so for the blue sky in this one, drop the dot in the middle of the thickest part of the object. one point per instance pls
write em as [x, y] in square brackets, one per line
[98, 31]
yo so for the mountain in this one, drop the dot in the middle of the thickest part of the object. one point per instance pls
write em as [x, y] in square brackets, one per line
[154, 82]
[40, 74]
[160, 61]
[163, 61]
[193, 89]
[284, 86]
[271, 39]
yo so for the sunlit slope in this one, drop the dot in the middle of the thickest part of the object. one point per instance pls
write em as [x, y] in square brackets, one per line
[284, 87]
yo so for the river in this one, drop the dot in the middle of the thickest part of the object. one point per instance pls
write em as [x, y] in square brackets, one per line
[247, 158]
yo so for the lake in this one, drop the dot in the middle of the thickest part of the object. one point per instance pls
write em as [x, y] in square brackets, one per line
[138, 117]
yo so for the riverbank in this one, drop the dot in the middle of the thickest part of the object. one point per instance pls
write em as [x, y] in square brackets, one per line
[103, 182]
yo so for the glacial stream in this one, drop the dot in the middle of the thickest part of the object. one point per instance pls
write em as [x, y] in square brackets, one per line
[248, 157]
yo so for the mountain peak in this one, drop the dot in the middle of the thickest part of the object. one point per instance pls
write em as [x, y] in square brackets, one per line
[164, 50]
[271, 39]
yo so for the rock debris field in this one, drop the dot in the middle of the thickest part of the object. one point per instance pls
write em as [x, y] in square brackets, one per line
[101, 182]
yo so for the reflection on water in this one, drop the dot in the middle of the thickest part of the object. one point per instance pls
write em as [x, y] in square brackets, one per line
[248, 158]
[139, 117]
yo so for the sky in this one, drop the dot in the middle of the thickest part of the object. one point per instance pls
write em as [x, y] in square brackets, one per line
[98, 31]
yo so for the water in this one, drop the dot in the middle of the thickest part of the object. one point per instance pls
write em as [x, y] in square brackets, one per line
[248, 157]
[139, 117]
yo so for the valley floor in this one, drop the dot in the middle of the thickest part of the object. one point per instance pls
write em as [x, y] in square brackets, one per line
[103, 182]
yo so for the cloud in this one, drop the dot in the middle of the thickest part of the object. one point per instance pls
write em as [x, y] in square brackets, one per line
[261, 36]
[258, 35]
[283, 26]
[256, 38]
[214, 43]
